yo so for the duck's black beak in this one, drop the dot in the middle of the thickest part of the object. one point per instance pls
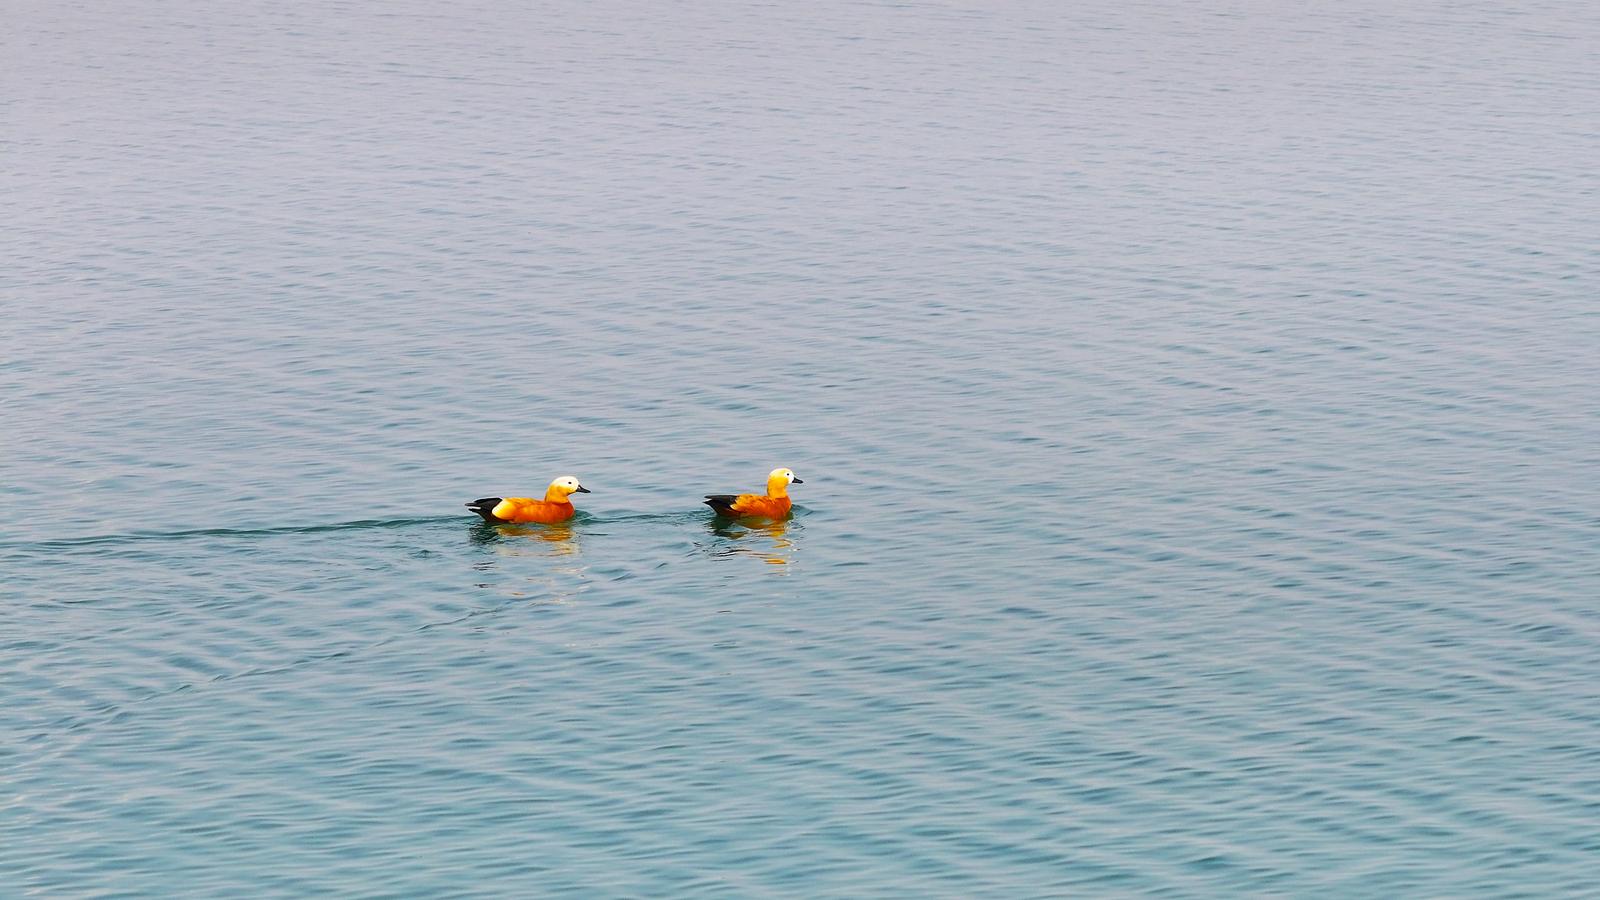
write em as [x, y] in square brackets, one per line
[584, 490]
[799, 481]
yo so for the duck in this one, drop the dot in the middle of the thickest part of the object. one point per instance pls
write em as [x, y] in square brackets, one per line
[555, 507]
[774, 505]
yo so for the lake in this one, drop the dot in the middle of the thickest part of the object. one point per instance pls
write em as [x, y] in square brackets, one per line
[1196, 406]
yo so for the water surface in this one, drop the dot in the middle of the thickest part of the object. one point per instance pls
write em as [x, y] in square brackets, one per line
[1197, 411]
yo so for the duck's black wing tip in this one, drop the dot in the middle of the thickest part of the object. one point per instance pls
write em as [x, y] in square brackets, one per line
[722, 503]
[484, 506]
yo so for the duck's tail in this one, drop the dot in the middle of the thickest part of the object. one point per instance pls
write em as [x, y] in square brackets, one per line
[485, 507]
[722, 504]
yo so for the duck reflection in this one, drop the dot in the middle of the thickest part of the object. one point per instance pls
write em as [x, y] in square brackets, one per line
[556, 581]
[770, 540]
[560, 539]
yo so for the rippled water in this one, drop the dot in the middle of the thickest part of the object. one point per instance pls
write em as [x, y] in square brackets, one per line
[1197, 409]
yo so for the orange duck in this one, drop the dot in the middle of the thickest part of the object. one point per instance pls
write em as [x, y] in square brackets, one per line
[775, 505]
[555, 507]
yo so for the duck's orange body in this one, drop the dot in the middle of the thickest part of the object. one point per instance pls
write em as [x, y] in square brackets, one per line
[775, 504]
[527, 509]
[755, 505]
[555, 507]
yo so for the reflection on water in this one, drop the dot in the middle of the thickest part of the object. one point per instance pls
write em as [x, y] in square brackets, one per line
[772, 541]
[527, 540]
[505, 542]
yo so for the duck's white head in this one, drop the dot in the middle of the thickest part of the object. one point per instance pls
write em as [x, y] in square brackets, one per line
[778, 481]
[564, 487]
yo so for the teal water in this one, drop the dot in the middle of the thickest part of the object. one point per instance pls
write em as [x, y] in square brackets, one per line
[1197, 410]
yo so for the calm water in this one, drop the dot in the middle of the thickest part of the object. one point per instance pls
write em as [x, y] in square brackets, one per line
[1198, 412]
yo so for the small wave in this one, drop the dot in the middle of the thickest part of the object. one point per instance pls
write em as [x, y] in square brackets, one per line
[190, 534]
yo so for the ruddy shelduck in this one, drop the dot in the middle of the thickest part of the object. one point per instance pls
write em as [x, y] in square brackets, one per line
[555, 507]
[775, 505]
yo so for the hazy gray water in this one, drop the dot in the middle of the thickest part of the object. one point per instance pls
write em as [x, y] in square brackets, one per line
[1197, 409]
